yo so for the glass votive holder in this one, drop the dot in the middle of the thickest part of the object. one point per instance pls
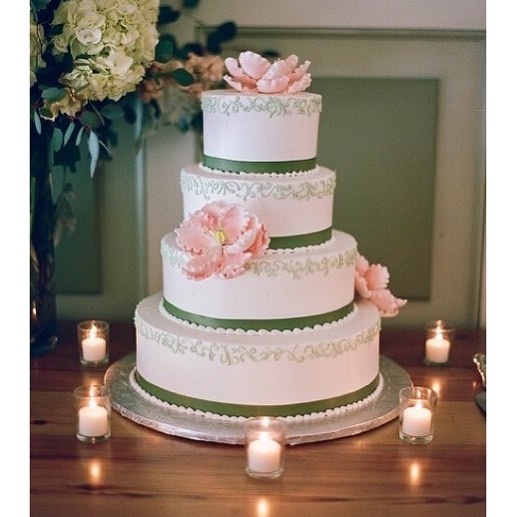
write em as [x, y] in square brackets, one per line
[93, 340]
[417, 406]
[439, 337]
[265, 443]
[93, 405]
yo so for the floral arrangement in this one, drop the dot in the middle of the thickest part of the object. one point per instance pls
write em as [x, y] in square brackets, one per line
[93, 61]
[110, 44]
[371, 282]
[85, 56]
[220, 239]
[253, 73]
[172, 104]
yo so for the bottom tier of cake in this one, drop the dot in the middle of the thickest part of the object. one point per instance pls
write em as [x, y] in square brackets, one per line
[236, 373]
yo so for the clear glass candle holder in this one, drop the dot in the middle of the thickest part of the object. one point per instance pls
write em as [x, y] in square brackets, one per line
[439, 338]
[417, 405]
[93, 406]
[265, 444]
[93, 339]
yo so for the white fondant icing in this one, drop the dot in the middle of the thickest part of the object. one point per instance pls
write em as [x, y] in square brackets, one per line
[260, 128]
[275, 286]
[274, 369]
[285, 204]
[260, 367]
[335, 411]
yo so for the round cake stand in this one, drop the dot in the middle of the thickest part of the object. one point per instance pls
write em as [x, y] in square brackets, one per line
[132, 404]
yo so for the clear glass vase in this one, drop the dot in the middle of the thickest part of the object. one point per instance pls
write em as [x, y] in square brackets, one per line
[43, 310]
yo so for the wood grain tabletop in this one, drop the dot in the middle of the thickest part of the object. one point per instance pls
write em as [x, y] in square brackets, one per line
[142, 472]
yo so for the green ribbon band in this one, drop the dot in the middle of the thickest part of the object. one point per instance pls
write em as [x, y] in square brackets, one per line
[300, 241]
[228, 409]
[270, 324]
[258, 167]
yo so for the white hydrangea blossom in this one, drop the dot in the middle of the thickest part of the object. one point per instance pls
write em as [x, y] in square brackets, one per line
[111, 43]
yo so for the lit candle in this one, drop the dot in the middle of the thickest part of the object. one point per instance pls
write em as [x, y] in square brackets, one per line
[94, 346]
[93, 419]
[416, 420]
[264, 454]
[437, 348]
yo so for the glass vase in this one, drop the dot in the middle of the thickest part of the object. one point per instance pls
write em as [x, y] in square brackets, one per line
[43, 311]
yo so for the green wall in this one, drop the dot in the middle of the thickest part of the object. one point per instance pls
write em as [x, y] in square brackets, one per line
[379, 136]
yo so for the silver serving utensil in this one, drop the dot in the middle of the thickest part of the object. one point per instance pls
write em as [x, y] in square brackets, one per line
[480, 362]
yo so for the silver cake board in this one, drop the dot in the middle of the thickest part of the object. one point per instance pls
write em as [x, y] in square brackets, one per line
[131, 403]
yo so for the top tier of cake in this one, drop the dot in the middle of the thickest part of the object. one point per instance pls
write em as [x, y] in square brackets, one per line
[249, 132]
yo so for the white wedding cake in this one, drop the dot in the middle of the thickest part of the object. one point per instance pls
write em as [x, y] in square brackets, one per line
[266, 309]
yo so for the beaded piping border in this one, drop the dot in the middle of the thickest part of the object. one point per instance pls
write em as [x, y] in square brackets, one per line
[340, 410]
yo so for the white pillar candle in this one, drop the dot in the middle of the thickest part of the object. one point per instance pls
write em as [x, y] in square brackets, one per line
[264, 454]
[416, 420]
[93, 420]
[94, 346]
[437, 349]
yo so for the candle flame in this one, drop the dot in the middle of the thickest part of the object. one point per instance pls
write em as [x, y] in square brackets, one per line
[264, 436]
[93, 332]
[92, 402]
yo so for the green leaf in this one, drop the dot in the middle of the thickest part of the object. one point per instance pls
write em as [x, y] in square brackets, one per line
[53, 94]
[55, 30]
[112, 111]
[129, 114]
[37, 121]
[90, 119]
[38, 5]
[182, 77]
[69, 131]
[93, 148]
[164, 50]
[227, 31]
[167, 14]
[190, 4]
[224, 32]
[46, 113]
[57, 139]
[106, 148]
[79, 136]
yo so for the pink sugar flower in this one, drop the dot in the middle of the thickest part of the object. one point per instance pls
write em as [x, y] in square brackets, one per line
[254, 73]
[219, 240]
[371, 282]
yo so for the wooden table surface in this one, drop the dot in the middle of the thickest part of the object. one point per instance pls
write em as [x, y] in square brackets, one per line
[139, 471]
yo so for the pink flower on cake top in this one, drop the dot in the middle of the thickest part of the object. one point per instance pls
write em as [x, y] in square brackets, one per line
[220, 239]
[253, 73]
[371, 282]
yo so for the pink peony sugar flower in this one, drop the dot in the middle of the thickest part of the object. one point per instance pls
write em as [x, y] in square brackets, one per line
[220, 239]
[254, 73]
[371, 283]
